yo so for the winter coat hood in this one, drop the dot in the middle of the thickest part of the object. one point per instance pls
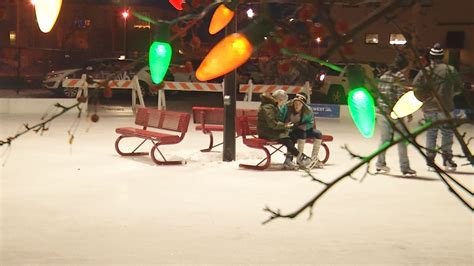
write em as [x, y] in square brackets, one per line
[268, 125]
[267, 99]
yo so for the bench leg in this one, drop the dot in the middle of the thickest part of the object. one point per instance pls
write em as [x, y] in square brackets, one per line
[326, 152]
[211, 146]
[276, 149]
[211, 142]
[268, 160]
[164, 161]
[133, 153]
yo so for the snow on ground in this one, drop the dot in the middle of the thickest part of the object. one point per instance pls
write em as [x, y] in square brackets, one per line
[84, 204]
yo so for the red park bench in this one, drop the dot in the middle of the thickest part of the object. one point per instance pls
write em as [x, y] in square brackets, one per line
[247, 128]
[211, 119]
[172, 127]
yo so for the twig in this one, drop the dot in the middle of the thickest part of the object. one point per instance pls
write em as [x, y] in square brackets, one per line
[352, 154]
[41, 125]
[383, 147]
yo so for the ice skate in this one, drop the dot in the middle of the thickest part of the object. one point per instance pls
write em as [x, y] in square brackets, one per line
[450, 165]
[303, 162]
[288, 163]
[382, 169]
[431, 165]
[302, 159]
[409, 173]
[315, 162]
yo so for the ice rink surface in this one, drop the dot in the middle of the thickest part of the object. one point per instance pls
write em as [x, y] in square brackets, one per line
[83, 204]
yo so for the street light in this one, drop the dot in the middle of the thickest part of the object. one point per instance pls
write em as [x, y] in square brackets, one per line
[250, 13]
[125, 15]
[318, 41]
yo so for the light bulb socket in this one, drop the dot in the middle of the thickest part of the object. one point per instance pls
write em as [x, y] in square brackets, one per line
[355, 75]
[257, 31]
[232, 5]
[162, 31]
[421, 94]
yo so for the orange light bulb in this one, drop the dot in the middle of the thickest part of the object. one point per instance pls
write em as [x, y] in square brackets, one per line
[221, 17]
[227, 55]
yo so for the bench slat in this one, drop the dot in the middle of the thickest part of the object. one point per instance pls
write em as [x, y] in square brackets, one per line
[159, 119]
[142, 133]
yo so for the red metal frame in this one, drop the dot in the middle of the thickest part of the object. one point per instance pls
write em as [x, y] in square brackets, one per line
[247, 128]
[211, 119]
[160, 119]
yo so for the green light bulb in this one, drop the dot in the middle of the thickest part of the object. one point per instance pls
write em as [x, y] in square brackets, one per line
[159, 60]
[362, 108]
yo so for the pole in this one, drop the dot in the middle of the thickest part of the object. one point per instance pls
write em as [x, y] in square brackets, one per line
[17, 30]
[33, 25]
[17, 44]
[230, 93]
[125, 48]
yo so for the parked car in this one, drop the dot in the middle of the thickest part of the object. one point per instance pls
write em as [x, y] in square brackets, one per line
[250, 71]
[335, 85]
[102, 68]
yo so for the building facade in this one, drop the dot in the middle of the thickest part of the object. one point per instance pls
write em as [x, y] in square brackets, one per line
[97, 29]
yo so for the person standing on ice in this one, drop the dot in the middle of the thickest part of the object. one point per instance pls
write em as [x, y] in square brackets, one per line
[445, 81]
[391, 89]
[302, 117]
[269, 127]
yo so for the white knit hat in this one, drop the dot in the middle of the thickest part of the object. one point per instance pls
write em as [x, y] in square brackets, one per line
[436, 50]
[280, 95]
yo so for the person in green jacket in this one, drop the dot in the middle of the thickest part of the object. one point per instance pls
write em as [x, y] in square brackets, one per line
[269, 127]
[302, 117]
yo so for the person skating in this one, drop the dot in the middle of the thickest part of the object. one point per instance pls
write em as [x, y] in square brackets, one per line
[445, 81]
[391, 89]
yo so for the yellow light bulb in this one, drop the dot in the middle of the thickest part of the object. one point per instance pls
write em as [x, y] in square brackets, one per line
[221, 17]
[406, 105]
[47, 12]
[225, 56]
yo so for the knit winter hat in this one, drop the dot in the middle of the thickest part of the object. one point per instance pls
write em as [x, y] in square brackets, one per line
[300, 97]
[436, 50]
[280, 95]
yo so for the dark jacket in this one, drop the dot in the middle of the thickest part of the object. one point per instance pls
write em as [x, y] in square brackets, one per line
[443, 79]
[268, 125]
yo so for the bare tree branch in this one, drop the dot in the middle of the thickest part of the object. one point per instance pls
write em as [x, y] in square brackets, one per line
[42, 125]
[367, 159]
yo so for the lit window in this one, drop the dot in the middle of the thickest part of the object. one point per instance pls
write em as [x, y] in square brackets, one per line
[371, 38]
[397, 39]
[143, 24]
[12, 37]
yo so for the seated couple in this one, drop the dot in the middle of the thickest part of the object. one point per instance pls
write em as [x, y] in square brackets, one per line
[289, 122]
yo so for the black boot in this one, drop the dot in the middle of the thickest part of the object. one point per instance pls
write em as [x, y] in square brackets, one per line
[449, 164]
[430, 163]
